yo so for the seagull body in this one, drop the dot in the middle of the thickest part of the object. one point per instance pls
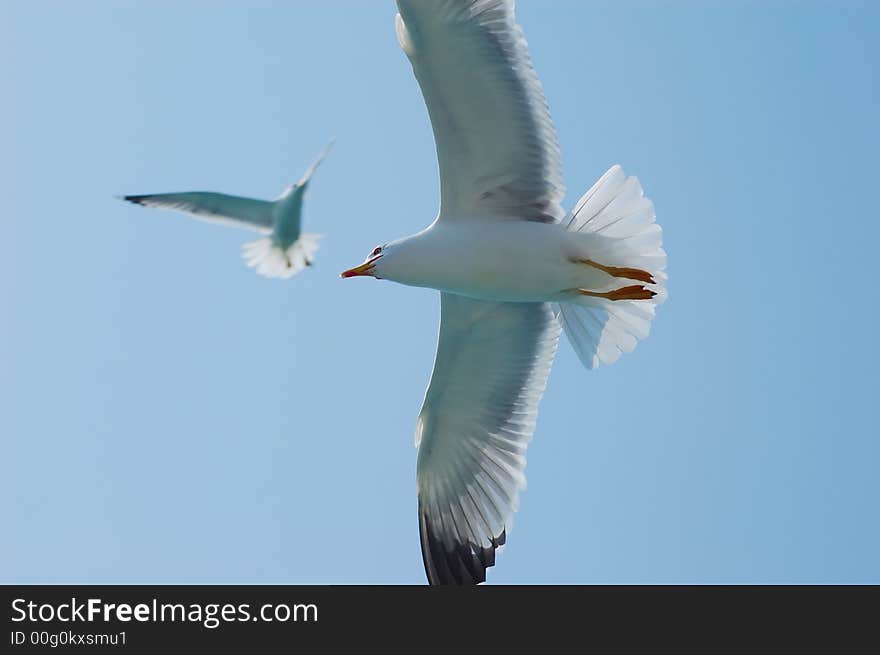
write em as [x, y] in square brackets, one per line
[514, 261]
[284, 252]
[513, 269]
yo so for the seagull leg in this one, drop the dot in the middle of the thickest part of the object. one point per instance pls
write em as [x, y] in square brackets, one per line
[618, 271]
[634, 292]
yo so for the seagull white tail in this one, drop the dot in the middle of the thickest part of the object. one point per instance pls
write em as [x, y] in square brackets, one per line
[615, 228]
[272, 260]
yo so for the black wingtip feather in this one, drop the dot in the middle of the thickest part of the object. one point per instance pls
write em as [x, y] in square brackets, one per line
[138, 200]
[465, 564]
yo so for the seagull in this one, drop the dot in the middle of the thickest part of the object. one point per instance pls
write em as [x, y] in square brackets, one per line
[284, 252]
[513, 270]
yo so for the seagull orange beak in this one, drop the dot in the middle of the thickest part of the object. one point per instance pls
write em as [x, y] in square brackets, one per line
[364, 269]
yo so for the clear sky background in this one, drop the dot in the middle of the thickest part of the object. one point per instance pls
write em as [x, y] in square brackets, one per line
[166, 415]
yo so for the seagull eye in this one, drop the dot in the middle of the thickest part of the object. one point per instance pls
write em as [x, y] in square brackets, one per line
[377, 250]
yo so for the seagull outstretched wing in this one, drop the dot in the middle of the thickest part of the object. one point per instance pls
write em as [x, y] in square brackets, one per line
[235, 211]
[318, 160]
[496, 145]
[493, 360]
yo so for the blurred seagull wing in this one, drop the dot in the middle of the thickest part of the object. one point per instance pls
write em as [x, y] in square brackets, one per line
[311, 169]
[214, 207]
[496, 144]
[492, 364]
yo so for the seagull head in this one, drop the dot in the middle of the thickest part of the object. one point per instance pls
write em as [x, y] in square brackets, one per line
[368, 268]
[407, 260]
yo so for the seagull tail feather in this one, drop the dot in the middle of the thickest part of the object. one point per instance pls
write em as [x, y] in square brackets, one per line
[272, 260]
[613, 224]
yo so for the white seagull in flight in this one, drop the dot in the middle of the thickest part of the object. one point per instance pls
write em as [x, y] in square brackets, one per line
[284, 252]
[511, 267]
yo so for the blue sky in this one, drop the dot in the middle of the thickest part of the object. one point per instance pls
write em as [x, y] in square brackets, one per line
[166, 415]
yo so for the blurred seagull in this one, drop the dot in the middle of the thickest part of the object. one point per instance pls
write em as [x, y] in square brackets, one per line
[284, 252]
[511, 267]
